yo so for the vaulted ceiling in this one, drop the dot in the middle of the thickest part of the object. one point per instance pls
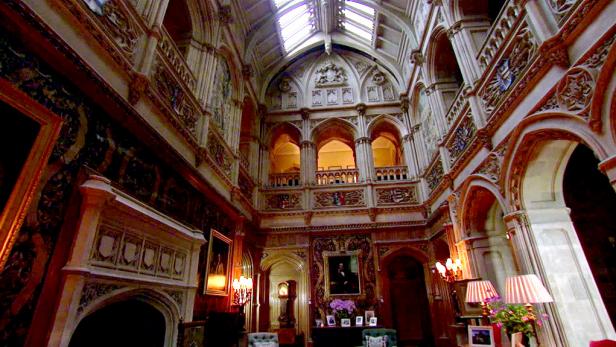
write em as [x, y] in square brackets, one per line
[278, 31]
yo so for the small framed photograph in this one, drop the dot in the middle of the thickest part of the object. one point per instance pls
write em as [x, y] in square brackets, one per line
[318, 322]
[331, 321]
[345, 322]
[369, 314]
[372, 322]
[359, 321]
[480, 336]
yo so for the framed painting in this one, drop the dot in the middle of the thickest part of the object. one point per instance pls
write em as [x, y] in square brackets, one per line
[342, 273]
[28, 133]
[217, 266]
[480, 336]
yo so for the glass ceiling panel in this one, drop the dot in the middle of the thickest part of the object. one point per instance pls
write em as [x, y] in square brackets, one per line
[358, 19]
[297, 24]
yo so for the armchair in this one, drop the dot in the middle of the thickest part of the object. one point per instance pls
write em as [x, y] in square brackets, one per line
[262, 340]
[392, 336]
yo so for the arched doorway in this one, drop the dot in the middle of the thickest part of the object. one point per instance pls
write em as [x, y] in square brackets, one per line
[122, 324]
[592, 201]
[406, 294]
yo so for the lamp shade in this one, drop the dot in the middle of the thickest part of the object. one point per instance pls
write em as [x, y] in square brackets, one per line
[479, 291]
[526, 289]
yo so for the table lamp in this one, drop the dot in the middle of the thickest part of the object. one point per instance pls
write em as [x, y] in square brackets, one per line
[480, 291]
[527, 290]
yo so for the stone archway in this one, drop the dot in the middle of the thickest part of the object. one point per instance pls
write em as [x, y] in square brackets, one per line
[545, 238]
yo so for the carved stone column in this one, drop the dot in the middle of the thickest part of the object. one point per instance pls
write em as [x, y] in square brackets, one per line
[410, 157]
[308, 162]
[461, 36]
[364, 159]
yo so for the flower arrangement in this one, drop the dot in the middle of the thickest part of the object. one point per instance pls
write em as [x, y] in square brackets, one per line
[515, 318]
[342, 308]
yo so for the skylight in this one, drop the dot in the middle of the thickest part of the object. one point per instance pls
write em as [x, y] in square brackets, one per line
[296, 22]
[358, 19]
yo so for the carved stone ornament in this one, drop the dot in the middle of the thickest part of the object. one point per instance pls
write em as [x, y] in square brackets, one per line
[398, 195]
[339, 198]
[284, 201]
[435, 175]
[575, 91]
[379, 77]
[284, 85]
[92, 291]
[560, 7]
[330, 75]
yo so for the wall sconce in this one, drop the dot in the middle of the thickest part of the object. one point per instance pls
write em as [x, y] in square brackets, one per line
[242, 291]
[451, 271]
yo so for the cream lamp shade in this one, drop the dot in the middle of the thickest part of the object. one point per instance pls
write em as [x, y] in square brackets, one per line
[480, 291]
[526, 289]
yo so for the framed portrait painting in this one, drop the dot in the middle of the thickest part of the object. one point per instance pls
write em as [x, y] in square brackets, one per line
[28, 134]
[217, 266]
[342, 273]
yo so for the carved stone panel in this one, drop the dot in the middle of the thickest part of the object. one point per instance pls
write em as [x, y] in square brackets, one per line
[346, 198]
[397, 195]
[283, 201]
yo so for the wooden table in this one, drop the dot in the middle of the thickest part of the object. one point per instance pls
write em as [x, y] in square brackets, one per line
[338, 336]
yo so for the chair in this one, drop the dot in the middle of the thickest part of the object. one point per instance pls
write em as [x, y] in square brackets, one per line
[603, 343]
[256, 339]
[392, 336]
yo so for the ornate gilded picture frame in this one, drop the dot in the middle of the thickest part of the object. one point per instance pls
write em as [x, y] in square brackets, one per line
[217, 268]
[342, 273]
[32, 130]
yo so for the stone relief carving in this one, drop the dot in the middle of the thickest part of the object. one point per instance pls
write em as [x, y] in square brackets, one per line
[378, 77]
[398, 195]
[339, 198]
[435, 175]
[284, 85]
[347, 95]
[283, 201]
[332, 96]
[219, 154]
[292, 100]
[122, 250]
[510, 68]
[373, 94]
[177, 296]
[120, 26]
[575, 90]
[388, 93]
[317, 98]
[330, 75]
[94, 290]
[462, 138]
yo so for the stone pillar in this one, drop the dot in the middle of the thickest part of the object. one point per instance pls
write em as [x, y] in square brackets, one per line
[410, 156]
[364, 160]
[540, 19]
[460, 35]
[437, 104]
[308, 162]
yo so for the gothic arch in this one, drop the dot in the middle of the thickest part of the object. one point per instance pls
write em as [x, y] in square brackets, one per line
[441, 55]
[334, 128]
[472, 183]
[390, 120]
[295, 134]
[535, 129]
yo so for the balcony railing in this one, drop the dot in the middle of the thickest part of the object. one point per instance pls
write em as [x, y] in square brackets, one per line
[290, 179]
[511, 14]
[391, 173]
[343, 176]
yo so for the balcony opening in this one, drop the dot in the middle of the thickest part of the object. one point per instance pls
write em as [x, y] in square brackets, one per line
[284, 170]
[445, 71]
[247, 127]
[178, 24]
[335, 143]
[488, 9]
[387, 152]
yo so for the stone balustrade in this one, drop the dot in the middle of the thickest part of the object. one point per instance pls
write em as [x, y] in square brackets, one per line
[392, 173]
[342, 176]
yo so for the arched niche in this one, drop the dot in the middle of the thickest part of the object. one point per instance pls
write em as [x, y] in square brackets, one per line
[178, 23]
[443, 70]
[484, 230]
[284, 150]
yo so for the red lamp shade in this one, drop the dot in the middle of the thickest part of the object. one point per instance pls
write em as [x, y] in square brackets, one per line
[526, 289]
[479, 291]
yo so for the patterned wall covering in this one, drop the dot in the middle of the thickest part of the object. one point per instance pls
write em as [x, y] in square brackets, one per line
[362, 243]
[89, 138]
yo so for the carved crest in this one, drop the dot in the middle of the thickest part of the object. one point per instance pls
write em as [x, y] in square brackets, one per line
[330, 75]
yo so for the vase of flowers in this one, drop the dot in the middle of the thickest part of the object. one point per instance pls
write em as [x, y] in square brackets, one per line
[342, 308]
[515, 318]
